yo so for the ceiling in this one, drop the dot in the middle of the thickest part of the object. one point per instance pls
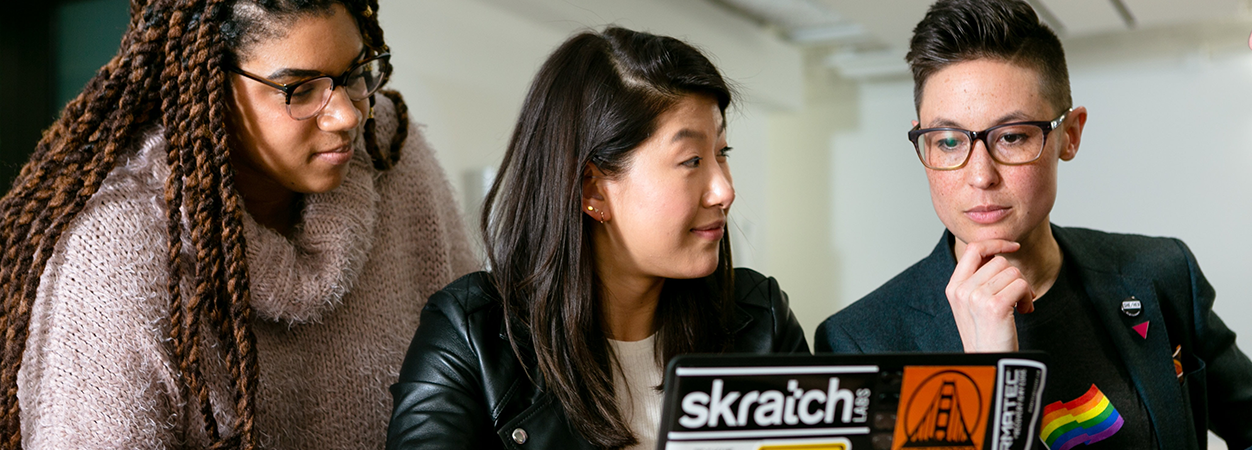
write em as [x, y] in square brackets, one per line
[868, 38]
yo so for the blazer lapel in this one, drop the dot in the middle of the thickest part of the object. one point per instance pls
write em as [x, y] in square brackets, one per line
[1148, 360]
[946, 338]
[939, 333]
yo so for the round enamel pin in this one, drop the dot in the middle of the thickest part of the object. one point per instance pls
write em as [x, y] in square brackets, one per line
[1132, 307]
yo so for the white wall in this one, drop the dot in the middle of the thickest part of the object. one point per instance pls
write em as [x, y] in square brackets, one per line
[463, 68]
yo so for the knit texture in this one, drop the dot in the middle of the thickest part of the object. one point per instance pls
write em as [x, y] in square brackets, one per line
[336, 305]
[634, 384]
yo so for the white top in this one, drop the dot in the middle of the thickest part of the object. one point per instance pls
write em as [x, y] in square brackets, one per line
[640, 399]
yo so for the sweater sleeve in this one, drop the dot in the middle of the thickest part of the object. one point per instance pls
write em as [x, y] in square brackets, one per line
[95, 373]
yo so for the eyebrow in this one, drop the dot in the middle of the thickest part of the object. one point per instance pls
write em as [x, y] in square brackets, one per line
[1015, 116]
[287, 72]
[687, 133]
[295, 73]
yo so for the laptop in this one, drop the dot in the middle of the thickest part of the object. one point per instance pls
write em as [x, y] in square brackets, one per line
[852, 402]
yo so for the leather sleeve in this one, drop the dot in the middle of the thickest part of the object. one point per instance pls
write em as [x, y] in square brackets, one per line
[790, 337]
[439, 400]
[1228, 376]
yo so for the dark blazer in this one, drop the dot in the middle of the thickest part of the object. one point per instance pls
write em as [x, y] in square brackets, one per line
[910, 313]
[462, 386]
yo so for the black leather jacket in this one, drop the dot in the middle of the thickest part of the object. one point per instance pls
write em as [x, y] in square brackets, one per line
[462, 387]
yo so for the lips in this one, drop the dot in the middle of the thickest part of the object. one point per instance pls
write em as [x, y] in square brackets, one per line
[712, 231]
[987, 214]
[337, 156]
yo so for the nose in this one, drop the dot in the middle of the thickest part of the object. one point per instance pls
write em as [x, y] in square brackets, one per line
[721, 191]
[340, 112]
[981, 171]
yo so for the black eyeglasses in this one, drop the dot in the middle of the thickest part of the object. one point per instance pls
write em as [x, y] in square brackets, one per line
[1011, 144]
[307, 98]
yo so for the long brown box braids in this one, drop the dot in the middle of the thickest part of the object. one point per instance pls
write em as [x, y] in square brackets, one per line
[168, 72]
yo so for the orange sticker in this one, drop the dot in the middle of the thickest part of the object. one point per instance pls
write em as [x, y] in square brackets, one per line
[944, 407]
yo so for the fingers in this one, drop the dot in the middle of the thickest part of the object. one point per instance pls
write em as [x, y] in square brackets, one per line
[996, 269]
[984, 291]
[994, 291]
[977, 253]
[1005, 286]
[1007, 283]
[1026, 302]
[1015, 295]
[989, 281]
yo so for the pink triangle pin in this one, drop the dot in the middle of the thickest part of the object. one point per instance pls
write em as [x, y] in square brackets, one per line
[1142, 329]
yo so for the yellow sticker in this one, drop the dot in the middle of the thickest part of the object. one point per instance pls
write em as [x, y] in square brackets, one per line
[830, 446]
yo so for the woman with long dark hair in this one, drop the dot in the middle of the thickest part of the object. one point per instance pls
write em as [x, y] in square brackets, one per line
[607, 237]
[220, 242]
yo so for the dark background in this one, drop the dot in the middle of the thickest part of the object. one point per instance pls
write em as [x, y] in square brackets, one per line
[48, 51]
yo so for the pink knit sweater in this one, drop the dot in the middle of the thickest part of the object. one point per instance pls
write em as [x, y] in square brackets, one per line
[336, 306]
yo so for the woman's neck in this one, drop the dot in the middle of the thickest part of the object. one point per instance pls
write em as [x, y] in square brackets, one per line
[268, 202]
[629, 305]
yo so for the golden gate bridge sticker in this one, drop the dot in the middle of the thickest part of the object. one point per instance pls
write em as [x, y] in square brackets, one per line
[944, 407]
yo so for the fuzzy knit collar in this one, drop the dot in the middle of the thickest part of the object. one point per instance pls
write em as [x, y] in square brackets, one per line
[297, 278]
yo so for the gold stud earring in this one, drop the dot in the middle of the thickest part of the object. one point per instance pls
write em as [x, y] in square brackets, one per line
[599, 211]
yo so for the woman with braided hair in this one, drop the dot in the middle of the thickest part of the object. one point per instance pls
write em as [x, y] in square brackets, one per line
[225, 240]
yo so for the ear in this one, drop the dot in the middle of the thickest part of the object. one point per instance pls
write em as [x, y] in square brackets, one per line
[915, 123]
[594, 204]
[1072, 128]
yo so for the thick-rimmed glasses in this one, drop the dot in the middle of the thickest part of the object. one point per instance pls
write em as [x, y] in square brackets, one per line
[1011, 144]
[307, 98]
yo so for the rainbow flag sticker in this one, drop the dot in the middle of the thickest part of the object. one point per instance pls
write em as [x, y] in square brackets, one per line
[1085, 420]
